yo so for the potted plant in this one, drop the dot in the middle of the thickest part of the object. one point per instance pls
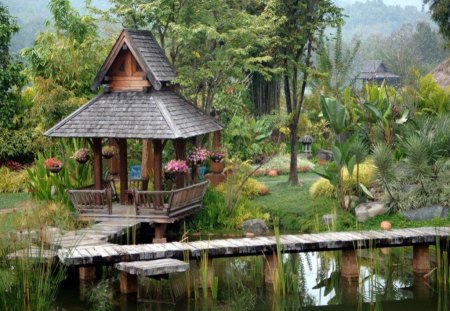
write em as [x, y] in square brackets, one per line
[197, 156]
[81, 155]
[174, 167]
[53, 165]
[217, 157]
[108, 152]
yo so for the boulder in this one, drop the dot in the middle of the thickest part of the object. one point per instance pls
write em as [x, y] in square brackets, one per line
[368, 210]
[328, 219]
[255, 226]
[426, 213]
[350, 201]
[326, 155]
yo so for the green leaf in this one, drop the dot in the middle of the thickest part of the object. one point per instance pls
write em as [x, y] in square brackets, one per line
[351, 164]
[366, 191]
[403, 118]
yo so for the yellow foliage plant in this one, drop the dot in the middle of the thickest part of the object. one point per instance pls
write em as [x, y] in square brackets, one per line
[323, 188]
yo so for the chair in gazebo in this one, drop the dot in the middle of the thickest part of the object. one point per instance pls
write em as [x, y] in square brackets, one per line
[138, 102]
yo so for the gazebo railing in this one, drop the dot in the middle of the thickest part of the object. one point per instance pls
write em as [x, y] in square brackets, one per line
[170, 203]
[88, 201]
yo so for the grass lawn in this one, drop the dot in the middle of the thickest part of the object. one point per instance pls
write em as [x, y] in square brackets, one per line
[293, 206]
[13, 200]
[296, 211]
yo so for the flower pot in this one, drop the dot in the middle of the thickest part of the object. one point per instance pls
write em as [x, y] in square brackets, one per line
[83, 160]
[107, 155]
[217, 167]
[54, 169]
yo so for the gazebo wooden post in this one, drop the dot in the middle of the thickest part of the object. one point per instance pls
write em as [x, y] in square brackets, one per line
[217, 140]
[123, 170]
[113, 163]
[147, 162]
[180, 154]
[157, 185]
[157, 165]
[97, 148]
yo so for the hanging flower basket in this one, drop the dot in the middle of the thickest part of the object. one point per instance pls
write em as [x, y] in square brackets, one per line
[198, 156]
[216, 156]
[175, 167]
[81, 156]
[108, 152]
[53, 165]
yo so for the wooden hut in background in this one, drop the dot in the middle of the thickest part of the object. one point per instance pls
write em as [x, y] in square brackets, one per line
[376, 71]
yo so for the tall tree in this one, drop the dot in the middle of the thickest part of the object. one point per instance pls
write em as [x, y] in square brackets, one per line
[440, 13]
[334, 61]
[298, 27]
[63, 63]
[11, 79]
[213, 44]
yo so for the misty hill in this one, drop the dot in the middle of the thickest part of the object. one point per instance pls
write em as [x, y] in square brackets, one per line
[364, 18]
[31, 16]
[375, 17]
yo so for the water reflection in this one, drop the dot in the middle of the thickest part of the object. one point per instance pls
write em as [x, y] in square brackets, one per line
[311, 281]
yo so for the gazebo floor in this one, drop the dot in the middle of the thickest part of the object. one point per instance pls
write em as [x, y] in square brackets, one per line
[122, 212]
[119, 211]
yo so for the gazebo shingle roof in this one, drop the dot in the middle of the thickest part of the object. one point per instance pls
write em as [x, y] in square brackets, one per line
[139, 115]
[147, 52]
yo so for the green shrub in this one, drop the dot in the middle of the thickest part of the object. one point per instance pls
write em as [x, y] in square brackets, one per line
[72, 176]
[323, 188]
[281, 163]
[12, 181]
[251, 188]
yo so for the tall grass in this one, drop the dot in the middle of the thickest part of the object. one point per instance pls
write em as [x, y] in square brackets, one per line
[30, 281]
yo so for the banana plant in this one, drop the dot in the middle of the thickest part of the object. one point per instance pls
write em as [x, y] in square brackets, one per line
[342, 158]
[335, 113]
[380, 110]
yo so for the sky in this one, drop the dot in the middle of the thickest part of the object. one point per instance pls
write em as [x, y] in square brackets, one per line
[416, 3]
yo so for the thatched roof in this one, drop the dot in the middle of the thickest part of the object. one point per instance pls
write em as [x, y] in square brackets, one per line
[154, 115]
[375, 69]
[442, 74]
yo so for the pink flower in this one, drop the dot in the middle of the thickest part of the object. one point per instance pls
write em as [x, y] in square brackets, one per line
[52, 162]
[176, 166]
[198, 156]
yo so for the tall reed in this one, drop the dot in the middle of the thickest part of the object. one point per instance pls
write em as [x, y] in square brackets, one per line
[30, 280]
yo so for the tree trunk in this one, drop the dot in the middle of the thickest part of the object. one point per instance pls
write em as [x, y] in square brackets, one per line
[293, 175]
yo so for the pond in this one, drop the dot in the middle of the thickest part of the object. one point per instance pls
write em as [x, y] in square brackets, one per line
[305, 281]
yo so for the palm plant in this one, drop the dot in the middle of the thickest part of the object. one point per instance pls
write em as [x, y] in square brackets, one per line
[383, 157]
[360, 150]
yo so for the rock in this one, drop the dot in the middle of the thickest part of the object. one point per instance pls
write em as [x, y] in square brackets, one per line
[326, 155]
[350, 201]
[255, 226]
[272, 173]
[361, 214]
[426, 213]
[385, 225]
[328, 219]
[368, 210]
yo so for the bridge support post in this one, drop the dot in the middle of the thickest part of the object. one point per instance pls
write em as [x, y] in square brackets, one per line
[86, 273]
[160, 230]
[271, 268]
[128, 283]
[349, 268]
[421, 259]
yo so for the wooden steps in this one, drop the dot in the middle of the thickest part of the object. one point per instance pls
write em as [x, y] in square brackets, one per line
[153, 267]
[108, 254]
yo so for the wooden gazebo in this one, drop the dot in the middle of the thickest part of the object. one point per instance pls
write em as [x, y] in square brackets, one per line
[138, 102]
[376, 71]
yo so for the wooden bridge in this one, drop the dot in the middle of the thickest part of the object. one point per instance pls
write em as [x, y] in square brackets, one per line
[146, 257]
[112, 253]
